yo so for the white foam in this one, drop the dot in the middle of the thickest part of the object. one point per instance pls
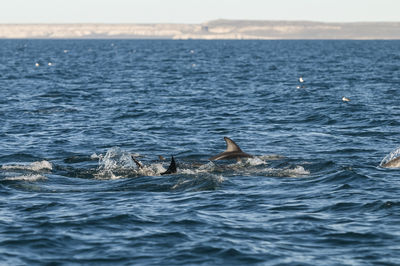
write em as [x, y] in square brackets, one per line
[35, 166]
[42, 165]
[298, 171]
[189, 171]
[255, 161]
[30, 178]
[248, 167]
[105, 175]
[94, 156]
[152, 169]
[205, 168]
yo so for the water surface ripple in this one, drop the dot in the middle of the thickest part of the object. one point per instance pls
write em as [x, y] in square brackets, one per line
[73, 111]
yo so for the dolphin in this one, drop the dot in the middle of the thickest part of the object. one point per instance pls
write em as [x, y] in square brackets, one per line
[232, 152]
[137, 162]
[171, 168]
[394, 163]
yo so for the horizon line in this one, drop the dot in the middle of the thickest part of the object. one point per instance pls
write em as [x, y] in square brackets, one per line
[204, 22]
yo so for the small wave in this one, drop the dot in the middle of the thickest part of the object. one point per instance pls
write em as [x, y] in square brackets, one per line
[35, 166]
[107, 175]
[191, 170]
[30, 178]
[298, 171]
[257, 166]
[197, 183]
[381, 205]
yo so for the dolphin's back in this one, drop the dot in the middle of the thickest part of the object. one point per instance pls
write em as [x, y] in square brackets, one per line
[230, 156]
[232, 151]
[394, 163]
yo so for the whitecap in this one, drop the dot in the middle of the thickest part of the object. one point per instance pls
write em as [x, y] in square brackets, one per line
[30, 178]
[35, 166]
[255, 161]
[42, 165]
[94, 156]
[297, 171]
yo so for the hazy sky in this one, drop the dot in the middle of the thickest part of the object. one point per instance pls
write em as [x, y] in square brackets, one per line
[194, 11]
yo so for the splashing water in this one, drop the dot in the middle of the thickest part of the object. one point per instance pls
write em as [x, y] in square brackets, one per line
[117, 163]
[116, 158]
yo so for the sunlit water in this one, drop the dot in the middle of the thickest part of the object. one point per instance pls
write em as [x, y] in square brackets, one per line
[73, 112]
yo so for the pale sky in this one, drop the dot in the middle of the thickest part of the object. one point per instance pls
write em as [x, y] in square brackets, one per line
[195, 11]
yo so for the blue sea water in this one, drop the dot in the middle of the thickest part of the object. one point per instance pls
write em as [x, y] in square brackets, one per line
[73, 111]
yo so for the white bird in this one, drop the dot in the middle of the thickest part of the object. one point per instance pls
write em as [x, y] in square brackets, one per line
[301, 79]
[345, 99]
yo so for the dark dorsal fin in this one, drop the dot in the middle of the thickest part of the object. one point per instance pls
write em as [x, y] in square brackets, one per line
[172, 167]
[231, 145]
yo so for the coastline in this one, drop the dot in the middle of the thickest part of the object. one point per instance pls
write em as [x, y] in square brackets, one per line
[217, 29]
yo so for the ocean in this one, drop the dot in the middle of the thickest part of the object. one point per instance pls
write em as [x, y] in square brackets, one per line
[74, 112]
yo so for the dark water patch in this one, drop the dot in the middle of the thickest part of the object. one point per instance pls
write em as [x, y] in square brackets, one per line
[354, 239]
[380, 205]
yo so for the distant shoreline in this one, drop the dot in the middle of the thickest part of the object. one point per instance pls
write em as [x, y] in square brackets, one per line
[212, 30]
